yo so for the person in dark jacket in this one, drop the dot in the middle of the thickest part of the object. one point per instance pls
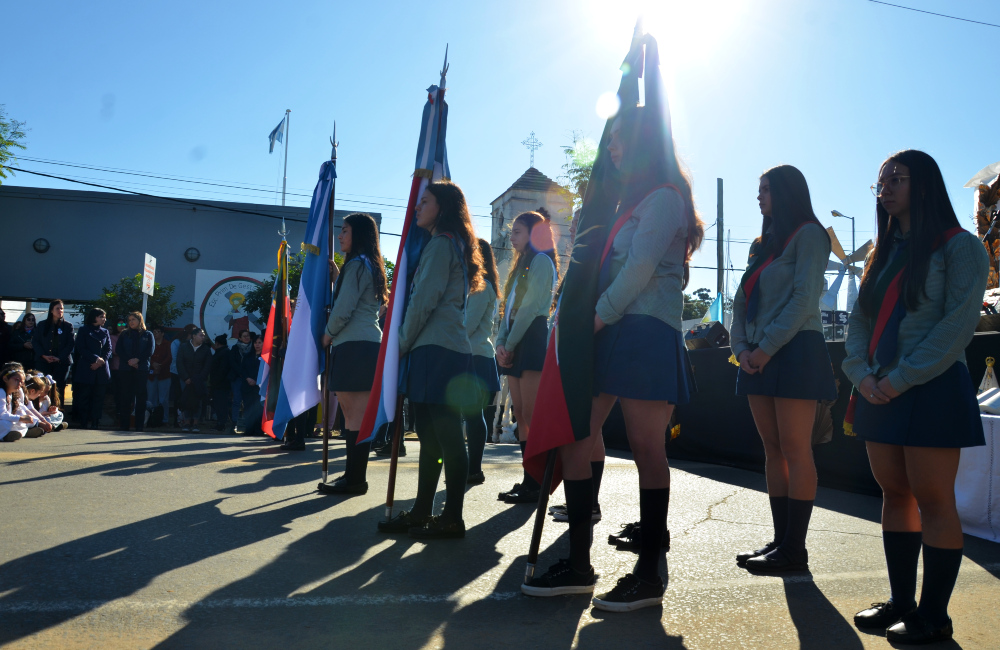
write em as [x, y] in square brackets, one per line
[241, 353]
[194, 362]
[220, 380]
[91, 375]
[5, 333]
[21, 347]
[135, 347]
[53, 343]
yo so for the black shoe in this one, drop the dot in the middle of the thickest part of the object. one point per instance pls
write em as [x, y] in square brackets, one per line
[778, 561]
[629, 538]
[631, 593]
[560, 580]
[523, 495]
[385, 451]
[561, 514]
[340, 486]
[299, 447]
[742, 558]
[502, 496]
[436, 529]
[914, 629]
[402, 523]
[476, 479]
[881, 616]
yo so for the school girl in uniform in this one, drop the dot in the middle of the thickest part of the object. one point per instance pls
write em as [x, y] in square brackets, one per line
[353, 331]
[436, 359]
[640, 357]
[523, 332]
[914, 402]
[479, 317]
[777, 337]
[41, 392]
[15, 420]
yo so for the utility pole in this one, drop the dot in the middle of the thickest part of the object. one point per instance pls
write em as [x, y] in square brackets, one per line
[720, 251]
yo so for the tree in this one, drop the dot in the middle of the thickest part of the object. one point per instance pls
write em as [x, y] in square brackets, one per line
[12, 132]
[125, 296]
[697, 303]
[579, 165]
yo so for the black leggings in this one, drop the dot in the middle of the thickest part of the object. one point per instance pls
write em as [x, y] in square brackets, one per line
[477, 426]
[439, 428]
[131, 394]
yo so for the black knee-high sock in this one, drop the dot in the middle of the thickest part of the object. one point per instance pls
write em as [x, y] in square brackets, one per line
[779, 515]
[350, 441]
[941, 567]
[799, 512]
[526, 480]
[448, 429]
[652, 515]
[475, 433]
[430, 461]
[359, 460]
[579, 504]
[597, 473]
[902, 551]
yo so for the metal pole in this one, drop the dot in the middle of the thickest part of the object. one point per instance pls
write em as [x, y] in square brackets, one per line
[145, 297]
[854, 244]
[327, 416]
[284, 182]
[720, 253]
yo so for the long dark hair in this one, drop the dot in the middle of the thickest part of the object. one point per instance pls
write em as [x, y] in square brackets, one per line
[791, 206]
[537, 239]
[489, 264]
[931, 213]
[48, 319]
[364, 241]
[454, 217]
[649, 157]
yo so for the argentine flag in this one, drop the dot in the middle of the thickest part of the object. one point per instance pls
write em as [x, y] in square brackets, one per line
[277, 134]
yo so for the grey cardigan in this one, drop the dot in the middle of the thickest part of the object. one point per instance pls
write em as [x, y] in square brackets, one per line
[933, 336]
[479, 320]
[647, 262]
[354, 316]
[436, 314]
[790, 289]
[537, 301]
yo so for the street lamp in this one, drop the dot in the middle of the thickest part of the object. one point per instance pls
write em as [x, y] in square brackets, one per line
[836, 213]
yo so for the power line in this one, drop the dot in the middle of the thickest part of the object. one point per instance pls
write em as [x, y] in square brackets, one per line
[967, 20]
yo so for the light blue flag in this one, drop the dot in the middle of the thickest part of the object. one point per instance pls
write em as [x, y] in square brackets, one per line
[714, 311]
[277, 134]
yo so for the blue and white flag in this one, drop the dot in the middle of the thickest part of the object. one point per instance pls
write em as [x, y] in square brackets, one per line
[277, 134]
[304, 358]
[714, 312]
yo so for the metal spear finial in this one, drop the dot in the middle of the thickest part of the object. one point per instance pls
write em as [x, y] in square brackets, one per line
[444, 68]
[334, 142]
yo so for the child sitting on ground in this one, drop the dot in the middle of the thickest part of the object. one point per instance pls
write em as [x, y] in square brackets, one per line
[15, 420]
[40, 392]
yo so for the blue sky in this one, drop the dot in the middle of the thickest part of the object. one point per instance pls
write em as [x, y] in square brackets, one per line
[193, 88]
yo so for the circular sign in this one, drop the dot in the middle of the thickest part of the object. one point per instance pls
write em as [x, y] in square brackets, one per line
[222, 308]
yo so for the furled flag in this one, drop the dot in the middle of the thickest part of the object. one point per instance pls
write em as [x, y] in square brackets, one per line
[304, 359]
[277, 134]
[565, 393]
[276, 344]
[714, 311]
[432, 165]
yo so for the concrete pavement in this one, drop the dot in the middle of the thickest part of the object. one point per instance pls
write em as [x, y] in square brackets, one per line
[134, 540]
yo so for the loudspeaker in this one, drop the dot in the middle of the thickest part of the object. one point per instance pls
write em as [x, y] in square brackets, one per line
[706, 335]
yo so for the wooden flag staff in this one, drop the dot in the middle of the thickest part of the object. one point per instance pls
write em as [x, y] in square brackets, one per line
[543, 505]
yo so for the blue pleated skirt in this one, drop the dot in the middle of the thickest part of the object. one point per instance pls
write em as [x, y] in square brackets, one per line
[641, 357]
[530, 351]
[432, 374]
[801, 369]
[486, 370]
[352, 366]
[941, 413]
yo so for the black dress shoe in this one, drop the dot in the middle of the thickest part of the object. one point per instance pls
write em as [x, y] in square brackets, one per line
[298, 447]
[503, 495]
[340, 486]
[629, 538]
[476, 479]
[436, 529]
[778, 561]
[742, 558]
[402, 523]
[881, 615]
[914, 629]
[522, 495]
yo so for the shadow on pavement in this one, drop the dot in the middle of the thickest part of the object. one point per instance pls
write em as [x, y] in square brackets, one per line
[817, 622]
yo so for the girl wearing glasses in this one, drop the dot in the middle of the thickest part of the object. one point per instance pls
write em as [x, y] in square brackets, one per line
[777, 337]
[914, 402]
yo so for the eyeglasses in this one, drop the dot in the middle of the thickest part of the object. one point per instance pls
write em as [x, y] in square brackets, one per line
[892, 184]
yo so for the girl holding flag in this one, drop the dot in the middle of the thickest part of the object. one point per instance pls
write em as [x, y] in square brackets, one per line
[524, 331]
[353, 331]
[777, 337]
[914, 402]
[640, 357]
[436, 359]
[479, 317]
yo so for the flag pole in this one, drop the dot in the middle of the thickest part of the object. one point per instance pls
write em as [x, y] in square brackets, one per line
[543, 504]
[284, 182]
[327, 416]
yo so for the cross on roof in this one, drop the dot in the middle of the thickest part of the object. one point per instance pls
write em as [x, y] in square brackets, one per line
[533, 145]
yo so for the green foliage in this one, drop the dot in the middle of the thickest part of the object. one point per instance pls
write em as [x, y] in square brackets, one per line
[580, 157]
[12, 132]
[125, 296]
[697, 303]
